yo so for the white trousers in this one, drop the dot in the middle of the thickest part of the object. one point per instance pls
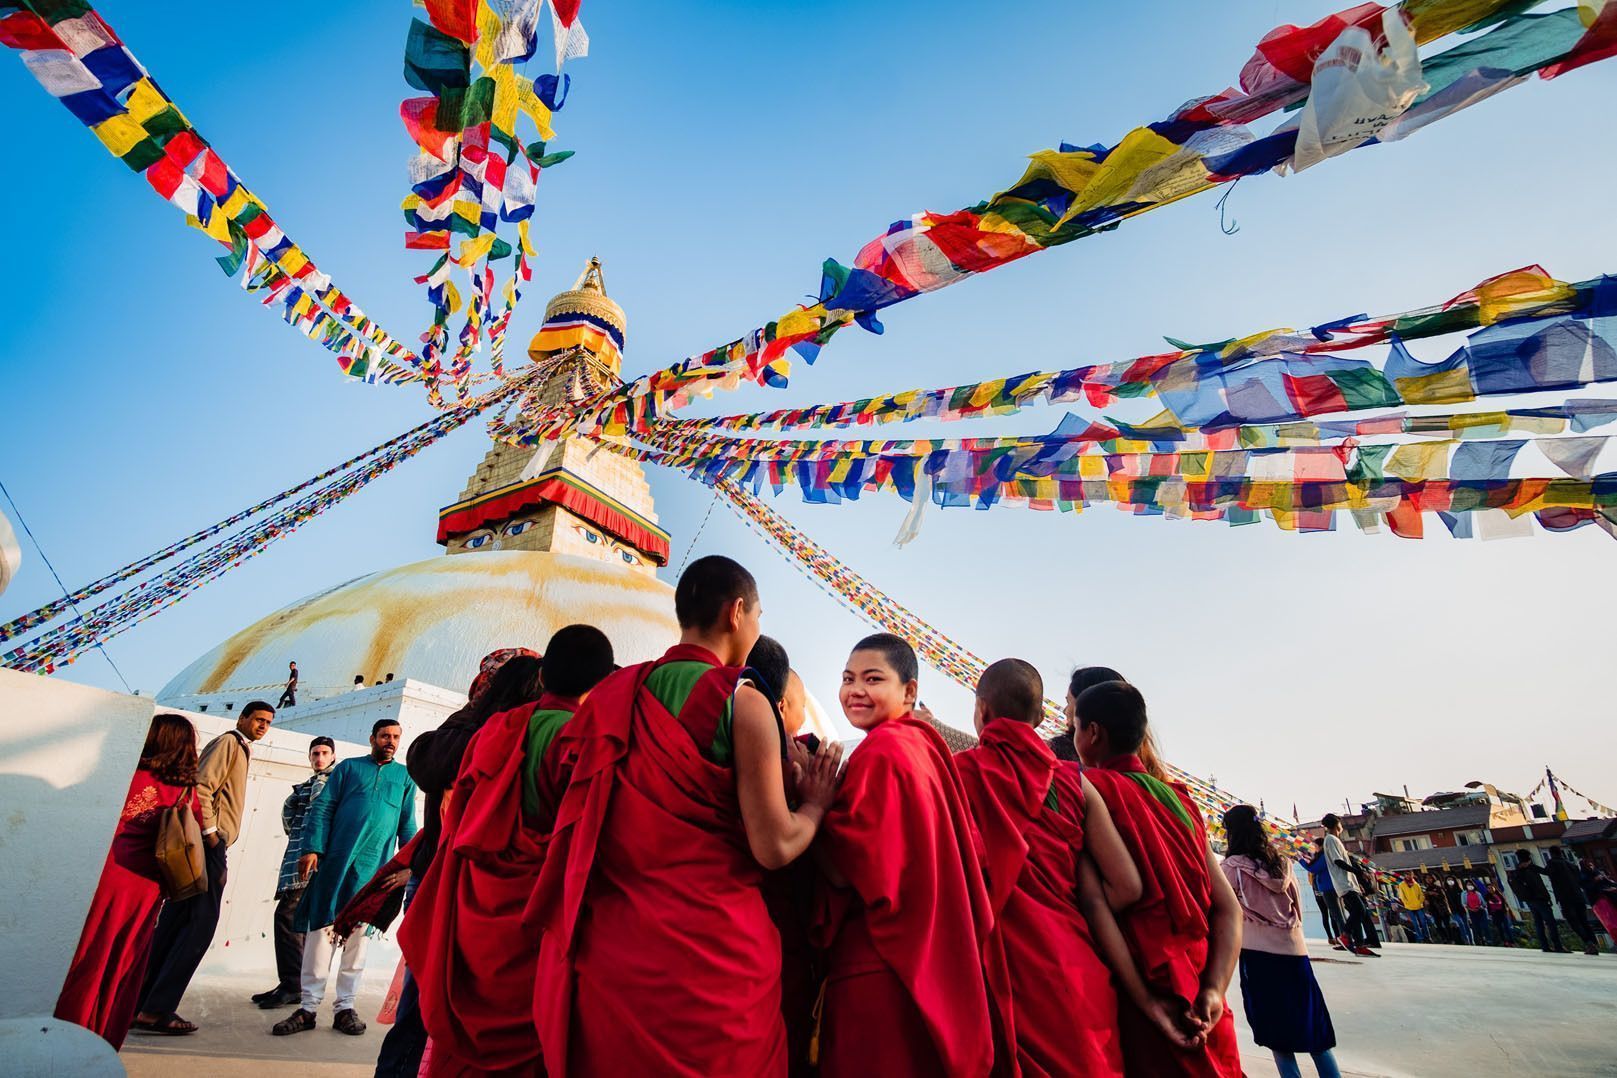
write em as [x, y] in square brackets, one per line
[318, 953]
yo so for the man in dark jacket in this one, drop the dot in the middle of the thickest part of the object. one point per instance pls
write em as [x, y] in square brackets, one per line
[1527, 880]
[289, 886]
[1568, 890]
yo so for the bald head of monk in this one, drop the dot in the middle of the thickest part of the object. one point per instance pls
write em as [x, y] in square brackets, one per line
[1009, 689]
[716, 604]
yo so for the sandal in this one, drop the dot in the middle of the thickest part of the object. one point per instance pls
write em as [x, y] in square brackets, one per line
[170, 1026]
[348, 1021]
[298, 1021]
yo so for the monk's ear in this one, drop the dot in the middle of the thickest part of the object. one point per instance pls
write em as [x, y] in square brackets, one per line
[912, 690]
[737, 611]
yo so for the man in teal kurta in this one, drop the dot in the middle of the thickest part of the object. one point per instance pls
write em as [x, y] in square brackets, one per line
[367, 806]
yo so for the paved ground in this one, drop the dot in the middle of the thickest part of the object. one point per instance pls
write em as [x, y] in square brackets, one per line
[1417, 1011]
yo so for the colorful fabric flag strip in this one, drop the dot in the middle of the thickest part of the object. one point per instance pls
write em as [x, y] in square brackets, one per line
[1516, 294]
[431, 429]
[1299, 489]
[1073, 192]
[474, 171]
[80, 60]
[59, 646]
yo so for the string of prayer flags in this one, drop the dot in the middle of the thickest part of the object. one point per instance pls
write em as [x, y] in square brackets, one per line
[81, 61]
[57, 647]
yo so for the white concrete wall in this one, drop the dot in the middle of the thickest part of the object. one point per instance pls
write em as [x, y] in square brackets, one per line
[66, 755]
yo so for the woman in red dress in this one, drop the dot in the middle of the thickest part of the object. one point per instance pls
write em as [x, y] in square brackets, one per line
[103, 984]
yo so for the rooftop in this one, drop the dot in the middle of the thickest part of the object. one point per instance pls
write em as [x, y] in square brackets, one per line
[1415, 823]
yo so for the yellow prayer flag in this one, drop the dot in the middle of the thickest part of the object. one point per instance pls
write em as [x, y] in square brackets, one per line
[119, 133]
[1109, 186]
[144, 101]
[1444, 387]
[239, 200]
[1419, 461]
[797, 321]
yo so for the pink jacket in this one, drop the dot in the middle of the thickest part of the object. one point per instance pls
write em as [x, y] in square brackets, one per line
[1271, 911]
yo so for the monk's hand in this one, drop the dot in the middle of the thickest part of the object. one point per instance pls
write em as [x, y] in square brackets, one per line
[924, 713]
[307, 864]
[1208, 1006]
[820, 779]
[1174, 1020]
[800, 760]
[398, 879]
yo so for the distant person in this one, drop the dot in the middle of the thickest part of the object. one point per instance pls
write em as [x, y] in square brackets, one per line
[1457, 919]
[359, 683]
[289, 886]
[185, 929]
[1360, 935]
[1082, 678]
[289, 695]
[1437, 904]
[1476, 912]
[1527, 880]
[1330, 910]
[1412, 896]
[1600, 890]
[1499, 914]
[1568, 890]
[368, 805]
[103, 981]
[388, 678]
[1281, 998]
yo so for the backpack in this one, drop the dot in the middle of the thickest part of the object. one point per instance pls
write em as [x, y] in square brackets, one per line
[182, 870]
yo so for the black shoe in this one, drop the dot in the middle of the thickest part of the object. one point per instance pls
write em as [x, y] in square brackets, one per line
[296, 1022]
[346, 1021]
[260, 997]
[281, 997]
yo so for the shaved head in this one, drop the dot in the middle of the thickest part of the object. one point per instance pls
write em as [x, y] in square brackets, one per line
[1012, 689]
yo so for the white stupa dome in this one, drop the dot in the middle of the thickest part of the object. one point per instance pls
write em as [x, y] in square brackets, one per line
[433, 621]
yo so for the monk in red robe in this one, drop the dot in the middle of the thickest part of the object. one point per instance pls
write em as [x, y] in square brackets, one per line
[103, 983]
[1185, 931]
[463, 938]
[1056, 866]
[906, 916]
[658, 954]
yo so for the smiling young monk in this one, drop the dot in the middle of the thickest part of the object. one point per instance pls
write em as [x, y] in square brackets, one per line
[1185, 931]
[1056, 866]
[906, 919]
[658, 953]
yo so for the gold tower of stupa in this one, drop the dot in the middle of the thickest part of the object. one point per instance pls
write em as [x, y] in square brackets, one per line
[567, 496]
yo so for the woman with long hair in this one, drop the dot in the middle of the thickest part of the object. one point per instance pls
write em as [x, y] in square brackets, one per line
[1282, 1000]
[103, 983]
[1063, 744]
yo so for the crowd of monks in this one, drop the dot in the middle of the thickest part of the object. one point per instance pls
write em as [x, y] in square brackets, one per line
[641, 873]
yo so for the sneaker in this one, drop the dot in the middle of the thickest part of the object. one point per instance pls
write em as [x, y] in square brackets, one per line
[1365, 952]
[346, 1021]
[296, 1022]
[1347, 944]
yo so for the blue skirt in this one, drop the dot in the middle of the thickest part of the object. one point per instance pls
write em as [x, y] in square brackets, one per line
[1283, 1003]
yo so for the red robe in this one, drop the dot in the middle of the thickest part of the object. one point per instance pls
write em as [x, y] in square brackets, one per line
[103, 982]
[658, 954]
[1167, 928]
[1061, 1008]
[905, 992]
[463, 937]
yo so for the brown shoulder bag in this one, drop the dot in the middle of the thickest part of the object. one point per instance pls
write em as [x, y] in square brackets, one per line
[182, 869]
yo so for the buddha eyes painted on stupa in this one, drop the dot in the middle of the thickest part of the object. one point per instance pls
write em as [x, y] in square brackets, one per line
[594, 538]
[517, 527]
[479, 539]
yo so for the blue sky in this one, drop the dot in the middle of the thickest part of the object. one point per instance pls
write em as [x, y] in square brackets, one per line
[723, 151]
